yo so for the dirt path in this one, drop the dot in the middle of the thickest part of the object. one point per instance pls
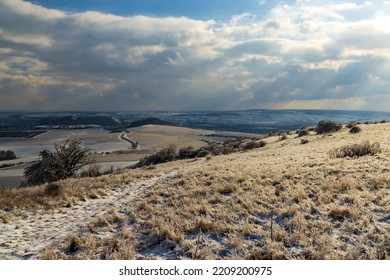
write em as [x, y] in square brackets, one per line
[24, 237]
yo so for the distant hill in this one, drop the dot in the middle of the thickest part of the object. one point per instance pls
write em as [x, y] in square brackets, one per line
[22, 133]
[75, 120]
[147, 121]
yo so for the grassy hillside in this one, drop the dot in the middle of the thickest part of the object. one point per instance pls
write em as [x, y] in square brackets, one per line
[286, 200]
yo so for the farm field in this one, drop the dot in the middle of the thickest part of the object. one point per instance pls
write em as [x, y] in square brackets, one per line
[110, 150]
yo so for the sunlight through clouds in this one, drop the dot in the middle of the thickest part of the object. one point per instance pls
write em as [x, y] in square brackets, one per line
[295, 54]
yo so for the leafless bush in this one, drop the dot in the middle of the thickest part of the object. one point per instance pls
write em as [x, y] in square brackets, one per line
[327, 126]
[7, 155]
[94, 170]
[351, 124]
[60, 164]
[355, 129]
[187, 152]
[303, 132]
[231, 146]
[227, 147]
[356, 150]
[165, 155]
[202, 153]
[253, 144]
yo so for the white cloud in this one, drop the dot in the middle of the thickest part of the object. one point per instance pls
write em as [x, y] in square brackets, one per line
[350, 6]
[31, 39]
[24, 8]
[310, 54]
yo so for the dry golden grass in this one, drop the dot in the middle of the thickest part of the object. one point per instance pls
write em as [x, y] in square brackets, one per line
[323, 208]
[281, 201]
[67, 192]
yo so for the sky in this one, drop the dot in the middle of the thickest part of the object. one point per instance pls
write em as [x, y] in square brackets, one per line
[180, 55]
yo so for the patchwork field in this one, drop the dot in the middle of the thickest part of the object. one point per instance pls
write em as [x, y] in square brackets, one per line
[110, 149]
[286, 200]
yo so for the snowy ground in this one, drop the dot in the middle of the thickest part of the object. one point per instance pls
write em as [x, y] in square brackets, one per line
[24, 237]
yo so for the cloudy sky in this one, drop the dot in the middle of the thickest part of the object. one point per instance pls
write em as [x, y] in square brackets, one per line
[194, 55]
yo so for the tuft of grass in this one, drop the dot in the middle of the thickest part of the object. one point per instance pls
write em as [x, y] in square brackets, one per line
[204, 223]
[49, 253]
[53, 189]
[73, 244]
[304, 141]
[4, 219]
[356, 150]
[283, 136]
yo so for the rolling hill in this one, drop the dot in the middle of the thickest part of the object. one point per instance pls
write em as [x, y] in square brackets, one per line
[285, 200]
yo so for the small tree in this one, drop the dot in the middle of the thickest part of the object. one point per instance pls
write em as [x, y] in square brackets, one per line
[60, 164]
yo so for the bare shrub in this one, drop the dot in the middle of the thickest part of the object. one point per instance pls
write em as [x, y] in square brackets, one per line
[203, 153]
[7, 155]
[60, 164]
[303, 132]
[304, 141]
[355, 129]
[231, 146]
[253, 144]
[94, 170]
[73, 244]
[327, 126]
[187, 152]
[213, 149]
[227, 147]
[165, 155]
[351, 124]
[356, 150]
